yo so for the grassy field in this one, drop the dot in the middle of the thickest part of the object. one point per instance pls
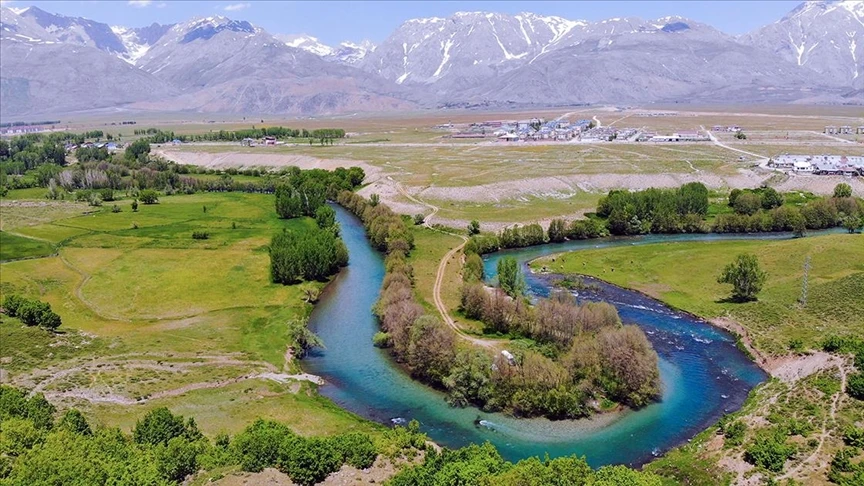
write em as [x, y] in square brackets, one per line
[154, 317]
[15, 247]
[684, 275]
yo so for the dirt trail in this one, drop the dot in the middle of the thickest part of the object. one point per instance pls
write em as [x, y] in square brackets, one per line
[442, 268]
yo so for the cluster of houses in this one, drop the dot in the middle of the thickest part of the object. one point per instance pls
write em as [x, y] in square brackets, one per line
[23, 129]
[110, 146]
[532, 129]
[846, 165]
[728, 129]
[682, 136]
[844, 130]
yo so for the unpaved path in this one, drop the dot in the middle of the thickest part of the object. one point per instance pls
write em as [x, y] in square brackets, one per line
[439, 276]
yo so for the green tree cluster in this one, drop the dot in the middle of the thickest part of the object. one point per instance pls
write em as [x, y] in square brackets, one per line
[654, 210]
[32, 312]
[314, 254]
[483, 465]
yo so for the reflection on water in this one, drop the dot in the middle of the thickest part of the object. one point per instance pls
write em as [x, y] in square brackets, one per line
[704, 375]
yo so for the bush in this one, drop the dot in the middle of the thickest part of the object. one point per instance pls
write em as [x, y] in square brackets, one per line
[107, 194]
[855, 386]
[382, 340]
[473, 228]
[134, 205]
[853, 436]
[734, 433]
[418, 219]
[769, 450]
[200, 235]
[325, 217]
[356, 449]
[258, 446]
[842, 190]
[308, 461]
[115, 209]
[147, 196]
[159, 426]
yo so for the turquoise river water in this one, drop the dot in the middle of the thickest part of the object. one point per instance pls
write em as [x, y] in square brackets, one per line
[703, 374]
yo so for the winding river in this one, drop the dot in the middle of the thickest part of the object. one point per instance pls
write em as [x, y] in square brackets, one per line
[703, 374]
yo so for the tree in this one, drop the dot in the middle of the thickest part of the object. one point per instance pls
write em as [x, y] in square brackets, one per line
[771, 198]
[374, 200]
[510, 277]
[134, 205]
[852, 223]
[419, 219]
[302, 337]
[148, 196]
[473, 227]
[745, 276]
[557, 230]
[747, 203]
[842, 190]
[137, 148]
[325, 217]
[160, 426]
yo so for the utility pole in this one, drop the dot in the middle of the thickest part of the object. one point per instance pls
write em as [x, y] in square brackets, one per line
[803, 299]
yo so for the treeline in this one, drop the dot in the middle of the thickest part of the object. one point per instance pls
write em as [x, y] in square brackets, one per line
[31, 312]
[25, 124]
[282, 133]
[483, 465]
[684, 210]
[40, 448]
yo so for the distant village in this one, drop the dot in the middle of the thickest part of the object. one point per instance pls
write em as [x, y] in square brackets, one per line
[845, 165]
[563, 130]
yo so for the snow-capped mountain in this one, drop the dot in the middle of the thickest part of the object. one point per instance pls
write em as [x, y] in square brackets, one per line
[54, 63]
[826, 37]
[138, 41]
[350, 52]
[471, 44]
[345, 53]
[307, 43]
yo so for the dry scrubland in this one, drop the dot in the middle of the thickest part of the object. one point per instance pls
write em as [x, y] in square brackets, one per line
[500, 183]
[152, 317]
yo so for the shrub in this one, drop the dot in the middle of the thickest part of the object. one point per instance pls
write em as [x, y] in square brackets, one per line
[734, 433]
[200, 235]
[74, 421]
[769, 450]
[177, 459]
[258, 446]
[107, 194]
[418, 219]
[853, 436]
[842, 190]
[115, 209]
[473, 228]
[325, 217]
[356, 449]
[160, 426]
[855, 386]
[134, 205]
[382, 340]
[147, 196]
[308, 461]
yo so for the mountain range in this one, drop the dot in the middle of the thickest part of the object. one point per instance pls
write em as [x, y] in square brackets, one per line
[55, 64]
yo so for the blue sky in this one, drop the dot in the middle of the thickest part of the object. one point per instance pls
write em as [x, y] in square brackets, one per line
[334, 21]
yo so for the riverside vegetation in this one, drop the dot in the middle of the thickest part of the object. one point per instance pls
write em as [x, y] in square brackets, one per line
[689, 209]
[532, 381]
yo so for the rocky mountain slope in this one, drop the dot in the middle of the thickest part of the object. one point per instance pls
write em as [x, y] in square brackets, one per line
[825, 37]
[54, 63]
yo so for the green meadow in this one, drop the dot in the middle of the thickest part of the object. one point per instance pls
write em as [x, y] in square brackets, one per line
[153, 317]
[684, 275]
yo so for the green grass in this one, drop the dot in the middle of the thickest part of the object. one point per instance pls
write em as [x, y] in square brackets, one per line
[684, 275]
[14, 247]
[135, 291]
